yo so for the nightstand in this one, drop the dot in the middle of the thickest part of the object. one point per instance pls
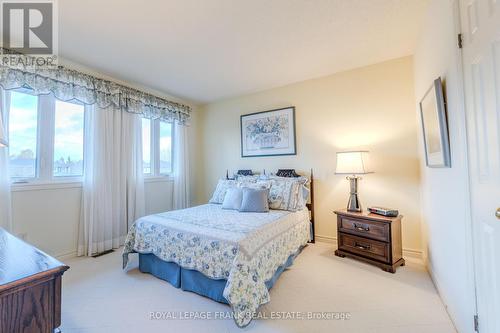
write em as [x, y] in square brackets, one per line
[374, 239]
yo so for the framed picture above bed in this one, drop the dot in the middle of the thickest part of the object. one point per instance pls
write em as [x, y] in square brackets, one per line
[435, 127]
[268, 133]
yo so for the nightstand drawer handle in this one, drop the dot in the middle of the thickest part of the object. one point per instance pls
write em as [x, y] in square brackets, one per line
[360, 228]
[362, 247]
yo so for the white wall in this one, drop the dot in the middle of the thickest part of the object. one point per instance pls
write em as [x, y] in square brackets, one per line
[158, 196]
[370, 108]
[445, 206]
[48, 216]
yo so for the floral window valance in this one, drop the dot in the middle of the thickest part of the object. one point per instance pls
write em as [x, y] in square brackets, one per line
[70, 85]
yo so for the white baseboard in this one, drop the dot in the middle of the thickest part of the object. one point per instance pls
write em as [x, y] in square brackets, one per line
[411, 255]
[66, 256]
[414, 256]
[326, 239]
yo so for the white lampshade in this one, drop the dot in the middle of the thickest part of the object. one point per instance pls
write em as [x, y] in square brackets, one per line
[353, 162]
[3, 134]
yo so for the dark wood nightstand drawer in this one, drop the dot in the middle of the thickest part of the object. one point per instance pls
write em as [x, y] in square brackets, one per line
[370, 238]
[365, 228]
[366, 247]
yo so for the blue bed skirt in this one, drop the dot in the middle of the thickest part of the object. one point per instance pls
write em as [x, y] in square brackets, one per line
[194, 281]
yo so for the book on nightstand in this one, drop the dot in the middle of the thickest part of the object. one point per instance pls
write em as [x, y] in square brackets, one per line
[383, 211]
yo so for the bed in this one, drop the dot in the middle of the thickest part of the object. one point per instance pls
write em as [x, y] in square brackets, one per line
[228, 256]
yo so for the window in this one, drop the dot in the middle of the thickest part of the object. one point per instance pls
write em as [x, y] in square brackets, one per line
[146, 146]
[23, 133]
[68, 139]
[165, 148]
[157, 147]
[45, 136]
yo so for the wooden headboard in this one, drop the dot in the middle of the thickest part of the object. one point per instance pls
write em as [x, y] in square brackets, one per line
[287, 173]
[246, 172]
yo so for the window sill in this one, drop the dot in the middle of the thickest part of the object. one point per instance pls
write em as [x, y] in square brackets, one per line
[41, 186]
[65, 184]
[157, 179]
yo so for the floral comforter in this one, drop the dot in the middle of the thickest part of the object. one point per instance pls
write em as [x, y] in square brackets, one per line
[246, 249]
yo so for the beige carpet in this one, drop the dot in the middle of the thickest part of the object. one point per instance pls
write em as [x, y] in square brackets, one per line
[99, 297]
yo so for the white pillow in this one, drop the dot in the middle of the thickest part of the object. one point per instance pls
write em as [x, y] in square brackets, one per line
[302, 197]
[247, 179]
[286, 193]
[282, 193]
[257, 185]
[233, 198]
[220, 191]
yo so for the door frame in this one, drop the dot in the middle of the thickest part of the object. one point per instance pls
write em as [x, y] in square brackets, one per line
[471, 232]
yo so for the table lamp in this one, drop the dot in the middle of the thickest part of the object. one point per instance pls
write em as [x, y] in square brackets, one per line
[353, 163]
[3, 135]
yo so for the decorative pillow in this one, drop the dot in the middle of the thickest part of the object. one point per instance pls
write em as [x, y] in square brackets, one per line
[246, 180]
[220, 191]
[261, 184]
[264, 176]
[255, 200]
[300, 179]
[232, 199]
[284, 193]
[302, 197]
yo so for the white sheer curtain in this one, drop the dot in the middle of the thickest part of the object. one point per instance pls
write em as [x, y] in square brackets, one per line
[181, 166]
[5, 195]
[113, 190]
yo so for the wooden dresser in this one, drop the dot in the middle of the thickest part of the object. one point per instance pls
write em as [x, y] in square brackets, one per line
[30, 288]
[372, 238]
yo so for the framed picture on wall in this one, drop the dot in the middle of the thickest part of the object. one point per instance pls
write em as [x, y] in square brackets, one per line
[435, 127]
[268, 133]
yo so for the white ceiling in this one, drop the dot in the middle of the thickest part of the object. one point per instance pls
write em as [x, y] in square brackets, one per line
[207, 50]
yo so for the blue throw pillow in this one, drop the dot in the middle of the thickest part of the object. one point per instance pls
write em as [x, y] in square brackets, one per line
[232, 199]
[255, 200]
